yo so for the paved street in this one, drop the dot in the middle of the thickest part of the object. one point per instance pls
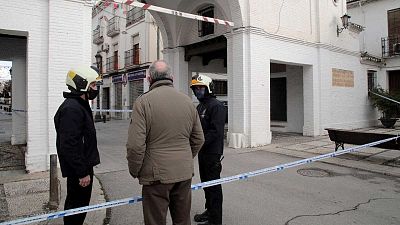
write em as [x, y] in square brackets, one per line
[318, 193]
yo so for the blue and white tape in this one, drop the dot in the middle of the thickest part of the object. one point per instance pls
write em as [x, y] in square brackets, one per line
[5, 113]
[198, 186]
[111, 110]
[13, 110]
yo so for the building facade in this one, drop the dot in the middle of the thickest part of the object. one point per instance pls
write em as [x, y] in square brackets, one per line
[43, 43]
[380, 42]
[126, 40]
[289, 65]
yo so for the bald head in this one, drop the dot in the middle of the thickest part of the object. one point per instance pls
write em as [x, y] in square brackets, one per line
[159, 70]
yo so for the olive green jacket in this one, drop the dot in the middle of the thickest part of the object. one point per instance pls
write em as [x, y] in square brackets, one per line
[164, 136]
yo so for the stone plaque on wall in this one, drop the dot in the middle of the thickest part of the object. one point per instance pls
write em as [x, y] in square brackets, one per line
[342, 78]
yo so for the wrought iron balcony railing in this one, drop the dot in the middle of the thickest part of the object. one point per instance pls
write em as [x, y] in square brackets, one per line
[98, 36]
[111, 64]
[113, 27]
[134, 15]
[390, 46]
[132, 57]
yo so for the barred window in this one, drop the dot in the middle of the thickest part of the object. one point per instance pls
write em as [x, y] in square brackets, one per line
[206, 28]
[372, 80]
[220, 87]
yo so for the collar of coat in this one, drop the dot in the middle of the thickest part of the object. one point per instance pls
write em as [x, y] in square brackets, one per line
[163, 82]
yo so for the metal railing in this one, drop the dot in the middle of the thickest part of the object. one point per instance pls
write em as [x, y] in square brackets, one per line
[132, 57]
[134, 15]
[390, 46]
[98, 35]
[113, 27]
[111, 64]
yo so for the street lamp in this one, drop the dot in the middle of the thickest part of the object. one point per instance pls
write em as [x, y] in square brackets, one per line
[99, 60]
[345, 22]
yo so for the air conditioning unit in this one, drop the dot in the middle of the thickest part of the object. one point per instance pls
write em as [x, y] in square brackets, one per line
[396, 48]
[105, 47]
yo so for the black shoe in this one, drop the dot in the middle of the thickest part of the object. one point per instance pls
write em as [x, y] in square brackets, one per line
[201, 217]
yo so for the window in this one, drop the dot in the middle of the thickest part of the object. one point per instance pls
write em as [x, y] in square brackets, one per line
[220, 87]
[115, 60]
[206, 28]
[372, 83]
[394, 23]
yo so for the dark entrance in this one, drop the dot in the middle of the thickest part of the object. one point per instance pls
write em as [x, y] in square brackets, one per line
[394, 81]
[278, 99]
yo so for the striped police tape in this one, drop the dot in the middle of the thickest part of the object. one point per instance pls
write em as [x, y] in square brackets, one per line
[198, 186]
[12, 110]
[111, 110]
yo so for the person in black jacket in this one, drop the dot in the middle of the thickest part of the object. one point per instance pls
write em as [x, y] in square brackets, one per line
[212, 116]
[76, 139]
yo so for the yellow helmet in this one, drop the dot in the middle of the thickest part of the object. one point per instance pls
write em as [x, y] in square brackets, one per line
[202, 80]
[79, 79]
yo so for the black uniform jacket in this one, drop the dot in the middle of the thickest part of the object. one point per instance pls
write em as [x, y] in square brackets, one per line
[76, 137]
[212, 116]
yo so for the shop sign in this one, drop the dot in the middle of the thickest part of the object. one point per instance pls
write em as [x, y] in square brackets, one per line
[136, 75]
[121, 78]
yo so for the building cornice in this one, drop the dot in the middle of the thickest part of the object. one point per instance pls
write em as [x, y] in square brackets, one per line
[262, 32]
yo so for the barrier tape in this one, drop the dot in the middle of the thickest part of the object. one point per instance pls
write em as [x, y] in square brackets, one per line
[5, 113]
[111, 110]
[13, 110]
[173, 12]
[198, 186]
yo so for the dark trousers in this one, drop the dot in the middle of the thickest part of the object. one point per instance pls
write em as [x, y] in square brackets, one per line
[77, 196]
[210, 169]
[158, 197]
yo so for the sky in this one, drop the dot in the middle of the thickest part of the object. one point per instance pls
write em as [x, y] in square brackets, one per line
[5, 70]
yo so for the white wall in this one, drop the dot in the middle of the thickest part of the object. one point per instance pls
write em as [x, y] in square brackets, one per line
[55, 44]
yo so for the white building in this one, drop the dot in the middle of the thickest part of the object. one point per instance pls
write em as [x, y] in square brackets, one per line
[43, 39]
[288, 68]
[127, 39]
[380, 42]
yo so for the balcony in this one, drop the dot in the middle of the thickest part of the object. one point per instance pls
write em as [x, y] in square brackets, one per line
[111, 64]
[98, 36]
[134, 15]
[390, 47]
[132, 57]
[113, 27]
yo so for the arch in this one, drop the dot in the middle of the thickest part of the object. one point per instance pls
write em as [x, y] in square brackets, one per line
[163, 26]
[185, 6]
[231, 10]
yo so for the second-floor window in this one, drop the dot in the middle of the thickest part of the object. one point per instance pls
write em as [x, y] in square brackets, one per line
[115, 60]
[394, 23]
[206, 28]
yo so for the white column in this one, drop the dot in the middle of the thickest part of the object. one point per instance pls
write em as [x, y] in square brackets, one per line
[180, 68]
[259, 79]
[311, 100]
[248, 90]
